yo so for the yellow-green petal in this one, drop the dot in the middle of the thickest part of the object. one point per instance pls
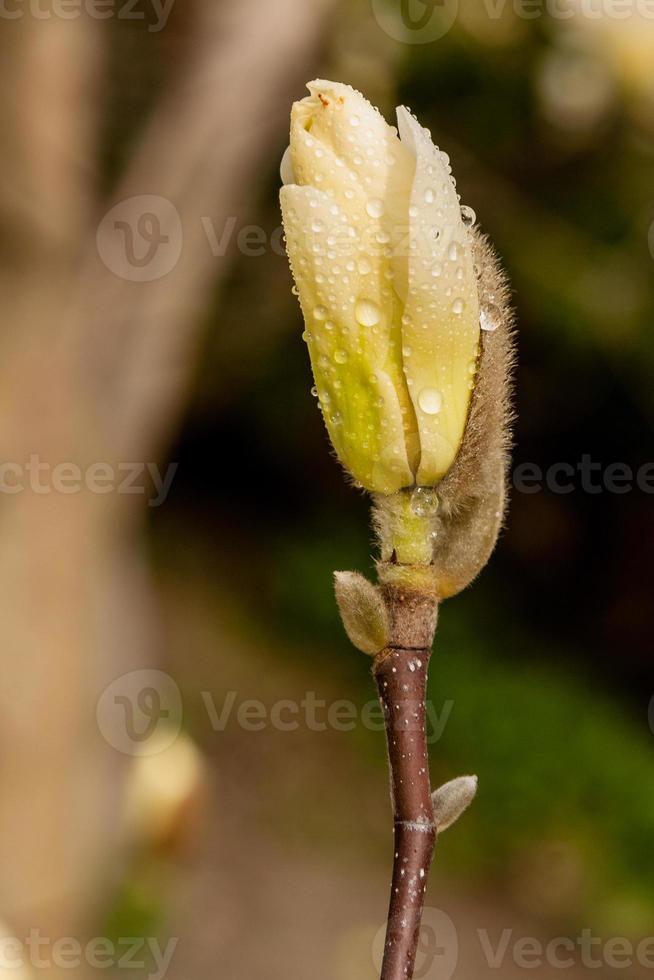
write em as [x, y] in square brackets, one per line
[441, 317]
[349, 316]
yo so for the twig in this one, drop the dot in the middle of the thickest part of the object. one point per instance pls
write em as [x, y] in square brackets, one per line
[401, 674]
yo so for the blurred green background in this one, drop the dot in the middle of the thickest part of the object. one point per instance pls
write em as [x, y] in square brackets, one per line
[546, 659]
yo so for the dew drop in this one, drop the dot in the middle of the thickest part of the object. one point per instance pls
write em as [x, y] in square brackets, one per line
[424, 502]
[367, 312]
[430, 401]
[453, 252]
[489, 318]
[429, 196]
[320, 313]
[375, 207]
[354, 120]
[468, 216]
[364, 266]
[340, 356]
[458, 306]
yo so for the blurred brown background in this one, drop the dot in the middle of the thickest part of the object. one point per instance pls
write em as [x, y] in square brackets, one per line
[189, 751]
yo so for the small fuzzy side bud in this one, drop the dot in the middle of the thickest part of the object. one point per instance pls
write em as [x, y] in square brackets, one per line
[452, 799]
[363, 612]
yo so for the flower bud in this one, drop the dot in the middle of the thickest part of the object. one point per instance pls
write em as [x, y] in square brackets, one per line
[381, 254]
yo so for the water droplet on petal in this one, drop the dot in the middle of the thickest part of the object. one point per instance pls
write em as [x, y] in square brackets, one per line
[367, 312]
[354, 120]
[320, 313]
[458, 306]
[430, 401]
[468, 216]
[375, 207]
[364, 266]
[340, 356]
[429, 196]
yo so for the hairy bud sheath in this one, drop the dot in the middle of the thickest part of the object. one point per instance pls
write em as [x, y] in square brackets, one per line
[406, 324]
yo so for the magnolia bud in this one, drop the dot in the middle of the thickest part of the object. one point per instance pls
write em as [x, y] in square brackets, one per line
[382, 257]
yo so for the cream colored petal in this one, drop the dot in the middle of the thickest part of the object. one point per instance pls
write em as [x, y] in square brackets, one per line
[348, 146]
[441, 318]
[350, 314]
[356, 131]
[317, 165]
[286, 171]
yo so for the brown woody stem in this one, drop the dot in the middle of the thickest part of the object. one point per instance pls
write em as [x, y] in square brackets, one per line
[401, 674]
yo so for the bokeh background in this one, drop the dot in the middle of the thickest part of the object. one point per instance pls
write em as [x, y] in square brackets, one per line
[266, 853]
